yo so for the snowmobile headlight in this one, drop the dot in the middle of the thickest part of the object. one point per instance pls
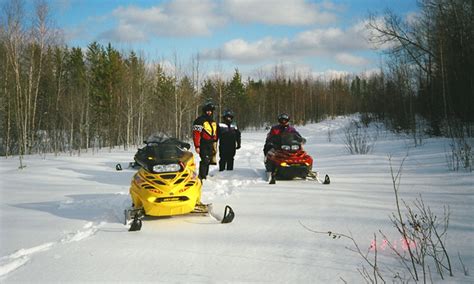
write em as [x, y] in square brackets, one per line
[167, 168]
[295, 147]
[286, 147]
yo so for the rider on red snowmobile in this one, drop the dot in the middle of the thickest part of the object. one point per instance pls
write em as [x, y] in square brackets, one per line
[274, 136]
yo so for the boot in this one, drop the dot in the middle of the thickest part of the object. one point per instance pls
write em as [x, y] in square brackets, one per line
[230, 165]
[221, 165]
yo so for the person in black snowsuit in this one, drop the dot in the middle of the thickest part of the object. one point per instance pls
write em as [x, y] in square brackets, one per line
[229, 141]
[204, 136]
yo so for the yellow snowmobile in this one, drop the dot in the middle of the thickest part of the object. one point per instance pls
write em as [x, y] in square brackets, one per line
[166, 183]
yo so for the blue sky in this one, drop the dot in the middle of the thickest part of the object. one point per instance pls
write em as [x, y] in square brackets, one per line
[251, 35]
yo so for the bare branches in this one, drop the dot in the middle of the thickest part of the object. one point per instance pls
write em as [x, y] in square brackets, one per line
[390, 31]
[376, 274]
[460, 154]
[464, 268]
[357, 139]
[398, 219]
[423, 236]
[437, 41]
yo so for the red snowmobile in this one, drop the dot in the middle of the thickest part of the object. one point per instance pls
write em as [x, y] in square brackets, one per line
[287, 160]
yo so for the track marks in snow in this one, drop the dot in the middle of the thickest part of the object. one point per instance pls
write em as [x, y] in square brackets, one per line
[102, 208]
[96, 207]
[21, 257]
[225, 186]
[226, 183]
[88, 230]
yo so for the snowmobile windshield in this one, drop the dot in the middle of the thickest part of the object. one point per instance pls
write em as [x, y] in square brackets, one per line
[166, 147]
[163, 154]
[290, 141]
[162, 157]
[164, 151]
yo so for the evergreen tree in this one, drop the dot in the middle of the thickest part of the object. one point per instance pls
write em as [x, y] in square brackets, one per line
[235, 95]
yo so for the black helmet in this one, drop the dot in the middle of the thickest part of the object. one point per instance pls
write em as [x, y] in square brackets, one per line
[228, 113]
[282, 117]
[208, 106]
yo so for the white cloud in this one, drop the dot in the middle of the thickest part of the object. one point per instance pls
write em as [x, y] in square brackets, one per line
[370, 72]
[412, 18]
[279, 12]
[332, 43]
[243, 51]
[293, 69]
[330, 74]
[376, 39]
[328, 5]
[73, 33]
[86, 30]
[283, 69]
[125, 33]
[180, 18]
[351, 60]
[176, 18]
[330, 40]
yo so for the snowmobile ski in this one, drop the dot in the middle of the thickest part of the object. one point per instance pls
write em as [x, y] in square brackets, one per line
[131, 165]
[227, 217]
[311, 176]
[137, 214]
[315, 176]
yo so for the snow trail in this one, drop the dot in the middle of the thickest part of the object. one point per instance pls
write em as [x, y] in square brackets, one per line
[21, 257]
[78, 203]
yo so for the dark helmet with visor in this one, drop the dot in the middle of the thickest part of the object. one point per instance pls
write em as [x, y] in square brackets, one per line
[228, 113]
[209, 106]
[283, 118]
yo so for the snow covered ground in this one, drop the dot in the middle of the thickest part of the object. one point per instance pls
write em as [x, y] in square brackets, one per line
[61, 217]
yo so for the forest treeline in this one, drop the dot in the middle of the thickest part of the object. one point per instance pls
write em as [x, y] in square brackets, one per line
[57, 98]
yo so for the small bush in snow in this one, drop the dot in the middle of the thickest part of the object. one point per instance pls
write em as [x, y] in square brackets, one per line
[357, 139]
[423, 238]
[329, 135]
[460, 155]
